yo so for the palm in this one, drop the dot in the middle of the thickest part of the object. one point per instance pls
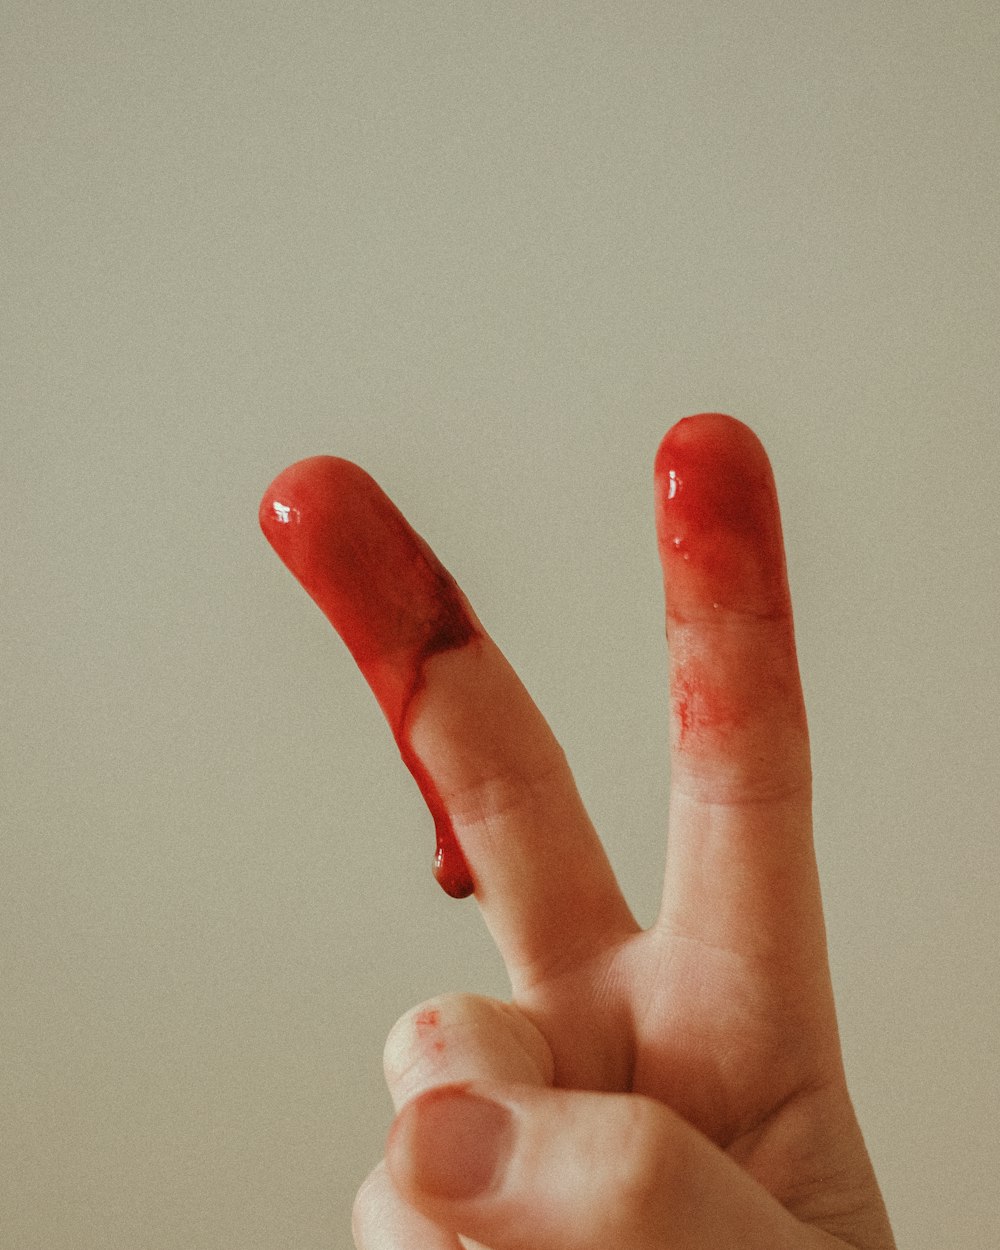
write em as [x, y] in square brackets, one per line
[697, 1030]
[716, 1056]
[709, 1054]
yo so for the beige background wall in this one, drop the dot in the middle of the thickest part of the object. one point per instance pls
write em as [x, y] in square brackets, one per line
[490, 251]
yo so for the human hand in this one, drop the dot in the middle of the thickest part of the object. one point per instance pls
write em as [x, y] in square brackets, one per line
[675, 1087]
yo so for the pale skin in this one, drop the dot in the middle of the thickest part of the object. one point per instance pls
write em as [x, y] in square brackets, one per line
[673, 1088]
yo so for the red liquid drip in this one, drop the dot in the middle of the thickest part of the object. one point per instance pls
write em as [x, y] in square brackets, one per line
[386, 594]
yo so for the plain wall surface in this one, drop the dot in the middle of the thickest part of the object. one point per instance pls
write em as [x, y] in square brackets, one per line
[491, 252]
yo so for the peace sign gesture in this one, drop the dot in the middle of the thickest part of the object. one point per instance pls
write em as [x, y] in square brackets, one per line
[679, 1086]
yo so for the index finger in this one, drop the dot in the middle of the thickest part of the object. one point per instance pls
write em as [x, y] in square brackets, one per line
[510, 824]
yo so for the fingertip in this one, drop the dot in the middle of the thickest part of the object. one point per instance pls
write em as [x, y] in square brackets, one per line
[697, 427]
[700, 424]
[371, 574]
[314, 482]
[717, 519]
[710, 448]
[315, 514]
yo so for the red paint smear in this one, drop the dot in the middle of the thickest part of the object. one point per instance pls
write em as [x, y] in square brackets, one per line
[699, 704]
[386, 594]
[427, 1024]
[717, 518]
[427, 1020]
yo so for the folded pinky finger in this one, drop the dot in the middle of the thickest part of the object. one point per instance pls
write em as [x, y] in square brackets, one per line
[381, 1220]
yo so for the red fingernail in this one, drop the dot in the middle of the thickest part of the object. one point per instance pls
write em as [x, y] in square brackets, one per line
[454, 1145]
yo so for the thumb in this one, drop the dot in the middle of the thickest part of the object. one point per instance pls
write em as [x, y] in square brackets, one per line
[526, 1168]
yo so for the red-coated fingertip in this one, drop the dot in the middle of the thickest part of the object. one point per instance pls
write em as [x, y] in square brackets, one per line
[383, 590]
[309, 490]
[707, 438]
[717, 518]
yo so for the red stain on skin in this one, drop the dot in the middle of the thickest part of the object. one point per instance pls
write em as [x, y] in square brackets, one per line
[386, 594]
[699, 704]
[427, 1024]
[717, 520]
[719, 534]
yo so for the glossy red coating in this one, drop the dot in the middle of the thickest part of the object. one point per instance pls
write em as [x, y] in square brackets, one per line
[719, 533]
[717, 520]
[386, 594]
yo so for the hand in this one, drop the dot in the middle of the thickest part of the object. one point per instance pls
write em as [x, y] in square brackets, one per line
[678, 1087]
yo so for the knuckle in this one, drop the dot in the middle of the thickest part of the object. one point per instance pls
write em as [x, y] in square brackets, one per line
[488, 801]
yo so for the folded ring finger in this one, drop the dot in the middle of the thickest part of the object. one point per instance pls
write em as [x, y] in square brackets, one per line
[463, 1037]
[448, 1040]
